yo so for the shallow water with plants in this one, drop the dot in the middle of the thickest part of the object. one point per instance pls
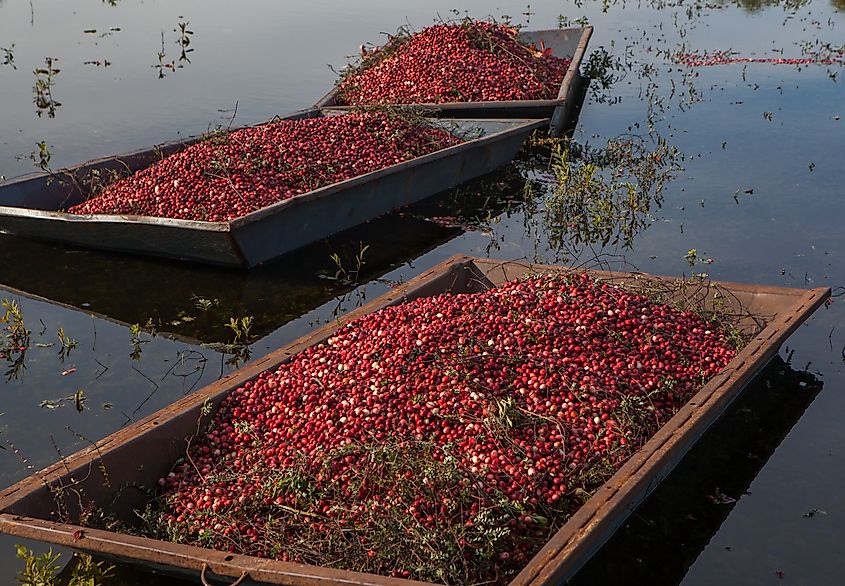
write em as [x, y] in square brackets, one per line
[727, 164]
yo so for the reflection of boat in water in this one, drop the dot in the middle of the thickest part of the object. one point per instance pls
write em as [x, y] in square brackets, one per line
[192, 302]
[666, 534]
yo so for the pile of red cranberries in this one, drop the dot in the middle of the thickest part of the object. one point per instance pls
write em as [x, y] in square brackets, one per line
[232, 174]
[445, 438]
[466, 62]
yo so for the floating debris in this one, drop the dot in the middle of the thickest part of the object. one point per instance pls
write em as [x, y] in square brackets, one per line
[729, 58]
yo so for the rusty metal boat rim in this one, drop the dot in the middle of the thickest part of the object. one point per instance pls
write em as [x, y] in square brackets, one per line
[774, 313]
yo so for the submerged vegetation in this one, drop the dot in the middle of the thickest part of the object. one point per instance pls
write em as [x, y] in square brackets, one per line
[46, 569]
[45, 79]
[15, 338]
[606, 196]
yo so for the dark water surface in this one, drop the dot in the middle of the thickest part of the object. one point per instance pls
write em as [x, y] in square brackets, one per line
[760, 501]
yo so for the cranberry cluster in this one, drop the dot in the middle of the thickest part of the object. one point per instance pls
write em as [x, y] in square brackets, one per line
[728, 58]
[468, 425]
[467, 62]
[232, 174]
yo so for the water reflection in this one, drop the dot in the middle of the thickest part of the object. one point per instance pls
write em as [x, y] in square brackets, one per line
[14, 339]
[9, 56]
[45, 79]
[183, 41]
